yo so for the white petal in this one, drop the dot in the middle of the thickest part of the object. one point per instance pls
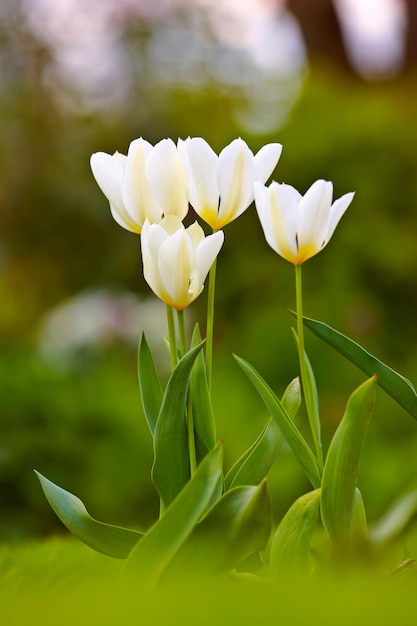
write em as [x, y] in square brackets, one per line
[336, 212]
[166, 175]
[235, 179]
[314, 215]
[176, 262]
[200, 163]
[283, 215]
[195, 233]
[266, 160]
[138, 197]
[108, 172]
[207, 251]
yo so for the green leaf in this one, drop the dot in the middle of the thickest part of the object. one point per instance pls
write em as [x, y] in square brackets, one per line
[292, 435]
[395, 385]
[256, 462]
[311, 398]
[340, 475]
[171, 467]
[203, 417]
[290, 548]
[395, 520]
[110, 540]
[150, 557]
[238, 525]
[150, 387]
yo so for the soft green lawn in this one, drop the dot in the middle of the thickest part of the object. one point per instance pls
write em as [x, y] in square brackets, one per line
[60, 581]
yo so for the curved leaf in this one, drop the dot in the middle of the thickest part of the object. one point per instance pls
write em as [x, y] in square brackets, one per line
[238, 525]
[311, 399]
[150, 557]
[256, 462]
[171, 467]
[395, 385]
[150, 387]
[110, 540]
[290, 548]
[395, 520]
[340, 475]
[203, 417]
[291, 433]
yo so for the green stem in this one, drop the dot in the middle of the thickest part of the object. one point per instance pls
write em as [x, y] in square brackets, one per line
[307, 389]
[190, 421]
[172, 336]
[181, 328]
[210, 322]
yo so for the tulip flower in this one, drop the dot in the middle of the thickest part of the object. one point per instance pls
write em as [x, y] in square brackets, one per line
[297, 227]
[147, 183]
[220, 188]
[176, 260]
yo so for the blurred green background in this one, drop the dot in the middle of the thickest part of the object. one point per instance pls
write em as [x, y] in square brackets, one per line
[77, 78]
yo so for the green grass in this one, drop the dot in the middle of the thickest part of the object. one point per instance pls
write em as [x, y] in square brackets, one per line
[60, 582]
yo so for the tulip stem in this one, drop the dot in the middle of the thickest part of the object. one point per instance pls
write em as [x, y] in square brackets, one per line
[307, 380]
[210, 322]
[172, 336]
[181, 328]
[190, 419]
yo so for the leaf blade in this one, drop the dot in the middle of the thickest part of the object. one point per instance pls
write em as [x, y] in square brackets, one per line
[171, 466]
[290, 547]
[341, 469]
[393, 383]
[151, 392]
[148, 560]
[113, 541]
[292, 435]
[238, 525]
[256, 462]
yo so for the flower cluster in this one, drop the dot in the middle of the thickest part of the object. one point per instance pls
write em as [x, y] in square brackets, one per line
[151, 188]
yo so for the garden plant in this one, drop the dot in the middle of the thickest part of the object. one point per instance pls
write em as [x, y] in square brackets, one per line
[213, 522]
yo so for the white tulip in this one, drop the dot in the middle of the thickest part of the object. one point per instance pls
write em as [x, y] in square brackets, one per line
[176, 260]
[297, 227]
[148, 183]
[220, 188]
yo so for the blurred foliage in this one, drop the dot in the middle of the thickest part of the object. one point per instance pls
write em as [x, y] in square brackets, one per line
[84, 427]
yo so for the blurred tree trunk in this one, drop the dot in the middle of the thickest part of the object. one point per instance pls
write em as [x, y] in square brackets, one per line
[320, 26]
[411, 38]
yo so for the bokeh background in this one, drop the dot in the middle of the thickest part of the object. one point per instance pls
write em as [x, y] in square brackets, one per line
[336, 84]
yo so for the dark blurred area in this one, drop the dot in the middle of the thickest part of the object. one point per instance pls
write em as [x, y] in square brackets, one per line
[338, 88]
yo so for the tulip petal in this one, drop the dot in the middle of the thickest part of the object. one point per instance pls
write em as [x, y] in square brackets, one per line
[235, 179]
[266, 160]
[314, 210]
[166, 175]
[337, 210]
[108, 172]
[207, 251]
[200, 164]
[175, 263]
[138, 197]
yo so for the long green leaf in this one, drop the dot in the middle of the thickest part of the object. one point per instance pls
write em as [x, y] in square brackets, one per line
[292, 435]
[171, 467]
[395, 520]
[311, 400]
[238, 525]
[150, 387]
[203, 417]
[149, 558]
[290, 548]
[398, 387]
[340, 475]
[111, 540]
[256, 462]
